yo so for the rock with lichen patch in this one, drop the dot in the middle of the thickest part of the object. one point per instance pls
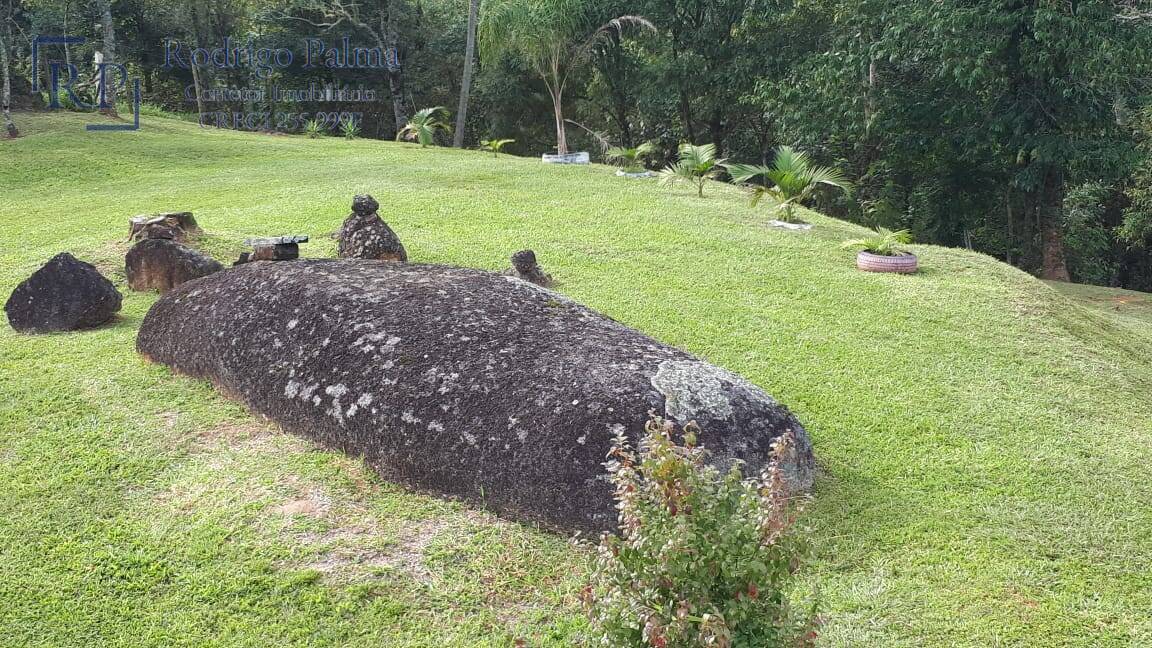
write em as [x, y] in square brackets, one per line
[459, 381]
[364, 235]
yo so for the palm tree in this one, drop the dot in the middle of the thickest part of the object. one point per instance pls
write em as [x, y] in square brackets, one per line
[551, 36]
[424, 124]
[793, 178]
[697, 165]
[466, 79]
[630, 158]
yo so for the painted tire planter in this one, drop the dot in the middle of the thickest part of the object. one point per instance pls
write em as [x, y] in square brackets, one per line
[567, 158]
[901, 263]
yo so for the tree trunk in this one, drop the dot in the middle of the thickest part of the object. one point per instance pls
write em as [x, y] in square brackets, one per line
[6, 97]
[466, 79]
[1053, 263]
[561, 131]
[395, 77]
[198, 89]
[109, 54]
[6, 73]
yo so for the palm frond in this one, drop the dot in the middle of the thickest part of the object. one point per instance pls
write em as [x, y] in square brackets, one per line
[885, 242]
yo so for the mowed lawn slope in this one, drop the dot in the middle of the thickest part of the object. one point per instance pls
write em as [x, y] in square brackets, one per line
[986, 443]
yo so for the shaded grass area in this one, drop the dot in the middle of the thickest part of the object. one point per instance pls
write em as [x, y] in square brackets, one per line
[985, 441]
[1112, 301]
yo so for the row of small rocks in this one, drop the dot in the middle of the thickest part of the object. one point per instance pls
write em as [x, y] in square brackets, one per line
[68, 294]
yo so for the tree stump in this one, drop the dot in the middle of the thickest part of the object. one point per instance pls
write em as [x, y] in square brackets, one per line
[184, 222]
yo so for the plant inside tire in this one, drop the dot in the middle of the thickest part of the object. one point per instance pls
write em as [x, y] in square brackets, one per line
[882, 252]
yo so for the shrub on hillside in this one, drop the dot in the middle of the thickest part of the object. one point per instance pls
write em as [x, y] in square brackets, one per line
[702, 558]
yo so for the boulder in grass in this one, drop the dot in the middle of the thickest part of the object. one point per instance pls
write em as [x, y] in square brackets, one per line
[458, 381]
[159, 264]
[364, 235]
[66, 294]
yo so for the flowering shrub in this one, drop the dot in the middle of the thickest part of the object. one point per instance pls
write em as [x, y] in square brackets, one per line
[702, 558]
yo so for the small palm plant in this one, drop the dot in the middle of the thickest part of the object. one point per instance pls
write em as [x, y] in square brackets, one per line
[424, 124]
[793, 178]
[630, 160]
[884, 243]
[349, 128]
[495, 145]
[313, 129]
[697, 165]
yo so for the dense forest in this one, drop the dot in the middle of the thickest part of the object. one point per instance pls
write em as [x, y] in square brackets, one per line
[1019, 128]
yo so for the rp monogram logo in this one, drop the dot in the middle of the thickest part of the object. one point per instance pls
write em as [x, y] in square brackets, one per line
[66, 76]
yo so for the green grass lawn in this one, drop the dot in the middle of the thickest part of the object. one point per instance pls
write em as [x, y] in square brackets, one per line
[985, 441]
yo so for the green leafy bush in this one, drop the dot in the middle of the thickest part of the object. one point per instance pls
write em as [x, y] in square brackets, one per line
[349, 128]
[703, 558]
[313, 129]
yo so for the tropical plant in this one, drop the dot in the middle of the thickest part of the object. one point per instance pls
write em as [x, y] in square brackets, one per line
[697, 165]
[349, 128]
[703, 558]
[553, 37]
[313, 129]
[495, 145]
[884, 243]
[793, 178]
[424, 124]
[631, 160]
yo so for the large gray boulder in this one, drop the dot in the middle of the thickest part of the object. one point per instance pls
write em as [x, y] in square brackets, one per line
[457, 381]
[65, 294]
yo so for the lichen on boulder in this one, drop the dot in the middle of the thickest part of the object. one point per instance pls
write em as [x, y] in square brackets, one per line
[457, 381]
[364, 235]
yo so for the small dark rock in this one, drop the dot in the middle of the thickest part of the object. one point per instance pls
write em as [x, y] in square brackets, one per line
[66, 294]
[273, 248]
[458, 381]
[364, 204]
[524, 267]
[364, 235]
[158, 264]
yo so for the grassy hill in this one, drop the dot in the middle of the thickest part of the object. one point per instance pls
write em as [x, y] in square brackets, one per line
[985, 441]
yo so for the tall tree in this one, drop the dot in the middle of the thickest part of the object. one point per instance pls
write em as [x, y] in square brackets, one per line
[466, 78]
[6, 72]
[380, 19]
[108, 52]
[7, 11]
[553, 37]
